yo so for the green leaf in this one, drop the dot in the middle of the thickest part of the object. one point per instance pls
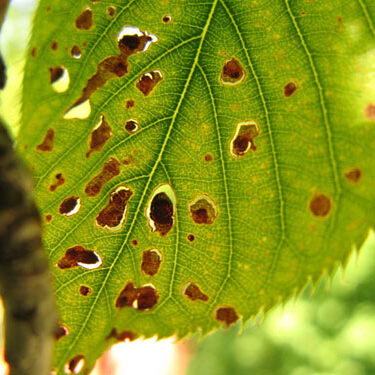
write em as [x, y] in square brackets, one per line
[225, 163]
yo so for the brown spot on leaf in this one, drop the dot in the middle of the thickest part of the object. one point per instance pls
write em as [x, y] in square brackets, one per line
[48, 218]
[54, 45]
[131, 126]
[79, 256]
[75, 52]
[47, 143]
[148, 81]
[111, 11]
[290, 88]
[75, 365]
[193, 292]
[85, 290]
[33, 52]
[320, 205]
[167, 18]
[99, 136]
[60, 180]
[353, 175]
[151, 260]
[143, 298]
[113, 66]
[122, 336]
[134, 242]
[191, 238]
[226, 315]
[130, 104]
[203, 210]
[110, 170]
[233, 72]
[161, 213]
[113, 215]
[244, 137]
[61, 331]
[85, 20]
[70, 206]
[208, 158]
[370, 112]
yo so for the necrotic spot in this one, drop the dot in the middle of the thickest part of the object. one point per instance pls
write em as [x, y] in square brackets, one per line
[100, 135]
[370, 112]
[76, 52]
[148, 81]
[85, 290]
[131, 126]
[203, 210]
[143, 298]
[110, 170]
[226, 315]
[59, 181]
[85, 20]
[47, 143]
[151, 260]
[70, 206]
[111, 11]
[353, 175]
[113, 215]
[194, 293]
[59, 79]
[290, 88]
[75, 365]
[79, 256]
[243, 139]
[320, 205]
[122, 336]
[167, 18]
[61, 331]
[233, 73]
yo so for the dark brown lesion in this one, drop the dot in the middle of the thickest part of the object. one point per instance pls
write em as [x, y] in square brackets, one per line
[320, 205]
[85, 290]
[233, 72]
[68, 207]
[226, 315]
[194, 293]
[76, 52]
[290, 88]
[143, 298]
[151, 261]
[161, 214]
[48, 141]
[113, 67]
[203, 210]
[126, 335]
[85, 20]
[78, 254]
[353, 175]
[110, 170]
[131, 126]
[148, 81]
[61, 331]
[113, 215]
[76, 364]
[111, 11]
[244, 138]
[99, 136]
[59, 181]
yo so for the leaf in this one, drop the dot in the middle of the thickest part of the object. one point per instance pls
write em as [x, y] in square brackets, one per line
[223, 154]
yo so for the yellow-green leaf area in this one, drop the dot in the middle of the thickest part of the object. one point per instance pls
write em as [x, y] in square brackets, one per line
[195, 162]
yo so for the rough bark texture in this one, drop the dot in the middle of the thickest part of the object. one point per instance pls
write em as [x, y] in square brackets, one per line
[25, 282]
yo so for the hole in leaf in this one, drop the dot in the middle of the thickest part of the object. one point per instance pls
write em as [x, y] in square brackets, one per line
[47, 143]
[101, 133]
[79, 256]
[151, 260]
[60, 180]
[160, 210]
[85, 20]
[320, 205]
[59, 78]
[353, 175]
[143, 298]
[61, 331]
[233, 72]
[203, 210]
[113, 215]
[85, 290]
[122, 336]
[75, 52]
[243, 139]
[148, 81]
[80, 110]
[110, 170]
[226, 315]
[70, 206]
[194, 293]
[75, 365]
[131, 126]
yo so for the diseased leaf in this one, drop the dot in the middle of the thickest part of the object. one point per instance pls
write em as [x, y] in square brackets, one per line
[196, 162]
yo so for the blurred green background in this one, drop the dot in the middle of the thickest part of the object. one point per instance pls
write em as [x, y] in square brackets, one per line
[331, 333]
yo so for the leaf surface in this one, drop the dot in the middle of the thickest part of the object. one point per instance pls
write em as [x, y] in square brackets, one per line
[199, 166]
